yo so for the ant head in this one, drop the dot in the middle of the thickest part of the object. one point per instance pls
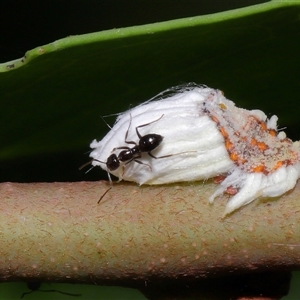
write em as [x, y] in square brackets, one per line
[112, 162]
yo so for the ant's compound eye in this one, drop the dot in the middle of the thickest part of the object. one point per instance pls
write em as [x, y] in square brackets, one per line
[149, 142]
[112, 162]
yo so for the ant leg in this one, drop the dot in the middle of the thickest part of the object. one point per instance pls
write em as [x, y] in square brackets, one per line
[140, 162]
[127, 148]
[164, 156]
[126, 135]
[108, 175]
[161, 156]
[109, 178]
[104, 195]
[136, 128]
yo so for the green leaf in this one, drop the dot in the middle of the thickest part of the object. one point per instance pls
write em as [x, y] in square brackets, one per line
[53, 98]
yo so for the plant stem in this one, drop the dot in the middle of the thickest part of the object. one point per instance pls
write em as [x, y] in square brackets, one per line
[58, 232]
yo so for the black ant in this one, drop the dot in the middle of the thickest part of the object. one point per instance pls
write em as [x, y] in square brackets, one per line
[146, 144]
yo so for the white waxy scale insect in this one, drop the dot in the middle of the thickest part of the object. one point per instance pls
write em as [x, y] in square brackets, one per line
[203, 135]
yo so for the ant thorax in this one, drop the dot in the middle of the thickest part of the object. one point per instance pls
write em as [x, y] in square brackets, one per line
[203, 135]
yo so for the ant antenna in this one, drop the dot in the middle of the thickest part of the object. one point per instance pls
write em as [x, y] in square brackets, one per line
[86, 164]
[89, 162]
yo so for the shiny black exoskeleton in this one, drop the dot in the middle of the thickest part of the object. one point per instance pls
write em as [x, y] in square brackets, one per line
[147, 143]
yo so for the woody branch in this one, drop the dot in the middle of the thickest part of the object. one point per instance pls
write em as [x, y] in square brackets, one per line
[58, 232]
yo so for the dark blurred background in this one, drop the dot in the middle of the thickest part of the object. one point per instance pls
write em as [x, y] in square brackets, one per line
[25, 25]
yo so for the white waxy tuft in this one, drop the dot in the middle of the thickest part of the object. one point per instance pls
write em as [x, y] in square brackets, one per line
[203, 135]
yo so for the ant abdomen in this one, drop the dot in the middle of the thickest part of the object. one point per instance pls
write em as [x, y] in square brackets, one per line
[149, 142]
